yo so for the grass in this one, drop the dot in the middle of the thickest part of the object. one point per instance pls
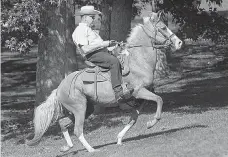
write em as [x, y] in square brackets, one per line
[193, 122]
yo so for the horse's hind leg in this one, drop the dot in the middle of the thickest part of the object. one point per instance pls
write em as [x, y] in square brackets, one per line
[132, 121]
[64, 123]
[143, 93]
[78, 128]
[78, 106]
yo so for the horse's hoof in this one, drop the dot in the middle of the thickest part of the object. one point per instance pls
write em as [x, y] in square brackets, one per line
[150, 124]
[119, 142]
[65, 148]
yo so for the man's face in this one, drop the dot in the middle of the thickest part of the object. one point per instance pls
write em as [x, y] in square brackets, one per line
[97, 22]
[94, 21]
[90, 19]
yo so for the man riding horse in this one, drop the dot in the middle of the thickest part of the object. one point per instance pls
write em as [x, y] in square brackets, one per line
[94, 49]
[77, 90]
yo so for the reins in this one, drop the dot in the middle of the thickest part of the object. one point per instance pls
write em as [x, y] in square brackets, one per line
[167, 42]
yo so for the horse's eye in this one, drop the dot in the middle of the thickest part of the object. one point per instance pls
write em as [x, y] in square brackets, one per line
[163, 28]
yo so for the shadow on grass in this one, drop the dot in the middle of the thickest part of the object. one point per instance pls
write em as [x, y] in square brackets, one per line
[25, 132]
[198, 89]
[140, 137]
[18, 81]
[197, 97]
[68, 154]
[21, 129]
[22, 105]
[145, 136]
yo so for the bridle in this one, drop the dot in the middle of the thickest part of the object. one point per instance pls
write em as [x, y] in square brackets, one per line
[167, 43]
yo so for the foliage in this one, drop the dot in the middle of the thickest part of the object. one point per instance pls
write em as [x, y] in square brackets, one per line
[21, 26]
[195, 22]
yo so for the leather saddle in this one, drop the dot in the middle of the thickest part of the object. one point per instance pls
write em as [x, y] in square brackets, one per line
[94, 73]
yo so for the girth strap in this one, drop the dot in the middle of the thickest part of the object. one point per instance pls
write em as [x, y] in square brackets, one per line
[95, 82]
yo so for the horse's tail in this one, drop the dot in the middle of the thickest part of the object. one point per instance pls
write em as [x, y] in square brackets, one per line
[45, 114]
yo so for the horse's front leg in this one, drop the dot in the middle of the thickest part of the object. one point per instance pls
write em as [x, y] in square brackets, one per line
[143, 93]
[131, 122]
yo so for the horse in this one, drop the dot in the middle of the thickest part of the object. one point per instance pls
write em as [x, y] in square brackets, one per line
[141, 51]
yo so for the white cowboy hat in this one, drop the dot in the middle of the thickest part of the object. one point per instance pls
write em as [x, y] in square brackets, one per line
[88, 10]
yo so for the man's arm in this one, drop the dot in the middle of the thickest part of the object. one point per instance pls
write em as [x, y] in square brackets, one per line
[91, 48]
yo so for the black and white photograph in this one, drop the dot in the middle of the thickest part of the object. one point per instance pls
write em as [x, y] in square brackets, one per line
[114, 78]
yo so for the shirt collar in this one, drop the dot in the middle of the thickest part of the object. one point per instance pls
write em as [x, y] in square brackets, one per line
[83, 24]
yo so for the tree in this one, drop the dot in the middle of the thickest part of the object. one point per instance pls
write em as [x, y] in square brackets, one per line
[121, 19]
[194, 21]
[20, 22]
[105, 30]
[56, 50]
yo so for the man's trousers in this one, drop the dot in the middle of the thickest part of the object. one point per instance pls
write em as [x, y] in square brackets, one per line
[105, 60]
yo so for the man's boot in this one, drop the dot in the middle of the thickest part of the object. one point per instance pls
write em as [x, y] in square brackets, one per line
[121, 94]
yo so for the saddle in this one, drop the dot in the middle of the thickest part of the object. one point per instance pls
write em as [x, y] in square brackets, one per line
[94, 73]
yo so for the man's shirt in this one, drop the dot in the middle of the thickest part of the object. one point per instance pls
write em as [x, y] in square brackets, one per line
[84, 35]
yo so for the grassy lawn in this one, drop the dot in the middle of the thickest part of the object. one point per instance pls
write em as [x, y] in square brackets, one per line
[194, 121]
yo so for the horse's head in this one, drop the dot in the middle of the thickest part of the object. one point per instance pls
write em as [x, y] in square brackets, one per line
[160, 33]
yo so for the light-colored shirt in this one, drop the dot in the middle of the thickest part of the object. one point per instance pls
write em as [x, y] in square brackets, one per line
[84, 35]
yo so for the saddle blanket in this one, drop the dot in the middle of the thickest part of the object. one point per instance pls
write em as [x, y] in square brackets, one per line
[90, 77]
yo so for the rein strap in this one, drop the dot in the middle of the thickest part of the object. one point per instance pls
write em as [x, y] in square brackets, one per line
[156, 46]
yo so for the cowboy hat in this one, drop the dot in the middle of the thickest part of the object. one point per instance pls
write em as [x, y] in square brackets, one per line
[88, 10]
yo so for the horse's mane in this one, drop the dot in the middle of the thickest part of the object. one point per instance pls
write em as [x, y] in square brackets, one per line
[134, 33]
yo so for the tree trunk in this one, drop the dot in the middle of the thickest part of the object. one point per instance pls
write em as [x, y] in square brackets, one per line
[56, 51]
[72, 59]
[116, 20]
[105, 30]
[121, 19]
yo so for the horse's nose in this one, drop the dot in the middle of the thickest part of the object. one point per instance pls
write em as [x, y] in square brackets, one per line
[180, 44]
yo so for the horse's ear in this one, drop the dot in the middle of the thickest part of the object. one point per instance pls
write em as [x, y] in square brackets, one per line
[159, 14]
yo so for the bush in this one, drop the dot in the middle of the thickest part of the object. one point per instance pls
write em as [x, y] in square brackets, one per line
[20, 24]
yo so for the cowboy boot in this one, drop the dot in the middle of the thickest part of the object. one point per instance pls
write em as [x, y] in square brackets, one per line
[123, 94]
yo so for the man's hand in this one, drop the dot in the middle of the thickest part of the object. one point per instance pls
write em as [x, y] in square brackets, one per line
[112, 43]
[91, 48]
[109, 43]
[105, 43]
